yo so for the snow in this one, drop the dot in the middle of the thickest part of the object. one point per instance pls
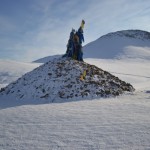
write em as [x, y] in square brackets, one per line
[12, 70]
[107, 123]
[46, 59]
[59, 81]
[118, 123]
[135, 34]
[119, 46]
[134, 71]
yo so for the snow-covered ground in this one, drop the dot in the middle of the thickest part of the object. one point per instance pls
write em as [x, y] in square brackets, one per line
[120, 123]
[113, 123]
[108, 123]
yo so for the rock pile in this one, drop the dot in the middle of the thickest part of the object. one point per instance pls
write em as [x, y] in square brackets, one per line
[60, 80]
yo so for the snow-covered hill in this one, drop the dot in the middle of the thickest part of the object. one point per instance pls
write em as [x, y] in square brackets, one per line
[12, 70]
[121, 123]
[136, 34]
[133, 44]
[59, 80]
[121, 44]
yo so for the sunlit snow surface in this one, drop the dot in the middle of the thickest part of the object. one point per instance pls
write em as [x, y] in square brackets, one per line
[107, 123]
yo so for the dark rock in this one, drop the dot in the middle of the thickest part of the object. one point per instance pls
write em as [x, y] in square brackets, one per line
[2, 90]
[49, 74]
[45, 96]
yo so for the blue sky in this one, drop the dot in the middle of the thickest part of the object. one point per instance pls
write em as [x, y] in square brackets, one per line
[32, 29]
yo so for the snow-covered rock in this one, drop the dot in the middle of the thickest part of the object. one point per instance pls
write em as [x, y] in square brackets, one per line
[59, 80]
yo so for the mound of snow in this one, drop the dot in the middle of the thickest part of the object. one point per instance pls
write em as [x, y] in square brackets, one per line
[59, 80]
[121, 44]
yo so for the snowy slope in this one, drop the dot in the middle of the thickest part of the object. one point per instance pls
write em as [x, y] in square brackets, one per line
[59, 80]
[120, 123]
[134, 71]
[113, 123]
[121, 44]
[12, 70]
[46, 59]
[117, 123]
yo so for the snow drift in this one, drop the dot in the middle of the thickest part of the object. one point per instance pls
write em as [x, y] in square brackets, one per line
[59, 80]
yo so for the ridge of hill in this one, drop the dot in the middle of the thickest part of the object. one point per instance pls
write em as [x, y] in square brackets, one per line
[136, 34]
